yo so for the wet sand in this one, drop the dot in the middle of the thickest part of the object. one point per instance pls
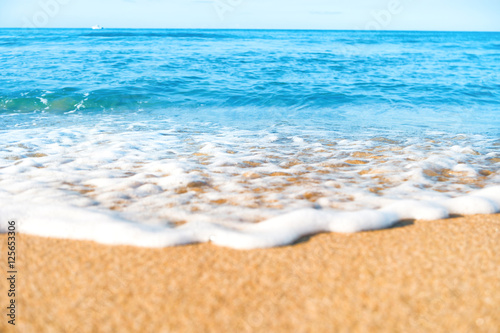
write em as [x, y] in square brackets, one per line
[434, 276]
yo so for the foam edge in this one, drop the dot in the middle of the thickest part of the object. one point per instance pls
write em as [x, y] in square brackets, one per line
[111, 229]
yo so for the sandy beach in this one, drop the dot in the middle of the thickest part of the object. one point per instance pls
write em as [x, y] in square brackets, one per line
[434, 276]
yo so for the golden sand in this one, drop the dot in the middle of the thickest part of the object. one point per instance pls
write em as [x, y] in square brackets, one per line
[438, 276]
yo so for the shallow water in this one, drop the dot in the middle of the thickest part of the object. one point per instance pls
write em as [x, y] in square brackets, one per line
[219, 129]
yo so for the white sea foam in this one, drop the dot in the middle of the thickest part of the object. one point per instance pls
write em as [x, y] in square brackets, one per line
[122, 182]
[76, 223]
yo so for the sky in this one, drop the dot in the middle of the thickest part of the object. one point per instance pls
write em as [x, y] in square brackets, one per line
[438, 15]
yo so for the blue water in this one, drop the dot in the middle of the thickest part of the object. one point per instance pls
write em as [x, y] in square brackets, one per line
[219, 129]
[346, 80]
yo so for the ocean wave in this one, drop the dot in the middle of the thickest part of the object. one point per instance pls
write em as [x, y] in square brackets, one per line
[153, 173]
[74, 223]
[246, 138]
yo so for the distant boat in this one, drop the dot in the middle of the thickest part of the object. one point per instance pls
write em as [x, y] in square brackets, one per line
[97, 27]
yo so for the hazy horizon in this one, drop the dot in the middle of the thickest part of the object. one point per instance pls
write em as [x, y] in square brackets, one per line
[390, 15]
[250, 29]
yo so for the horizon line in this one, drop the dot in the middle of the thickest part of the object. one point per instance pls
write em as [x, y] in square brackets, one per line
[255, 29]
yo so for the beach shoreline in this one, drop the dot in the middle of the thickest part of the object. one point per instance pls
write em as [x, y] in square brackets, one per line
[435, 276]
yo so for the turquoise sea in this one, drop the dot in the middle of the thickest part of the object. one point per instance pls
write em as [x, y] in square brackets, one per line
[174, 136]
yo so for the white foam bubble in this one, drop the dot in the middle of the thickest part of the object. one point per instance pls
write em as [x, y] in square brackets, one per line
[75, 223]
[148, 176]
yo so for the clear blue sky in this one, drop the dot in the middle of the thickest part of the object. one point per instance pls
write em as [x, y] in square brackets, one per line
[469, 15]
